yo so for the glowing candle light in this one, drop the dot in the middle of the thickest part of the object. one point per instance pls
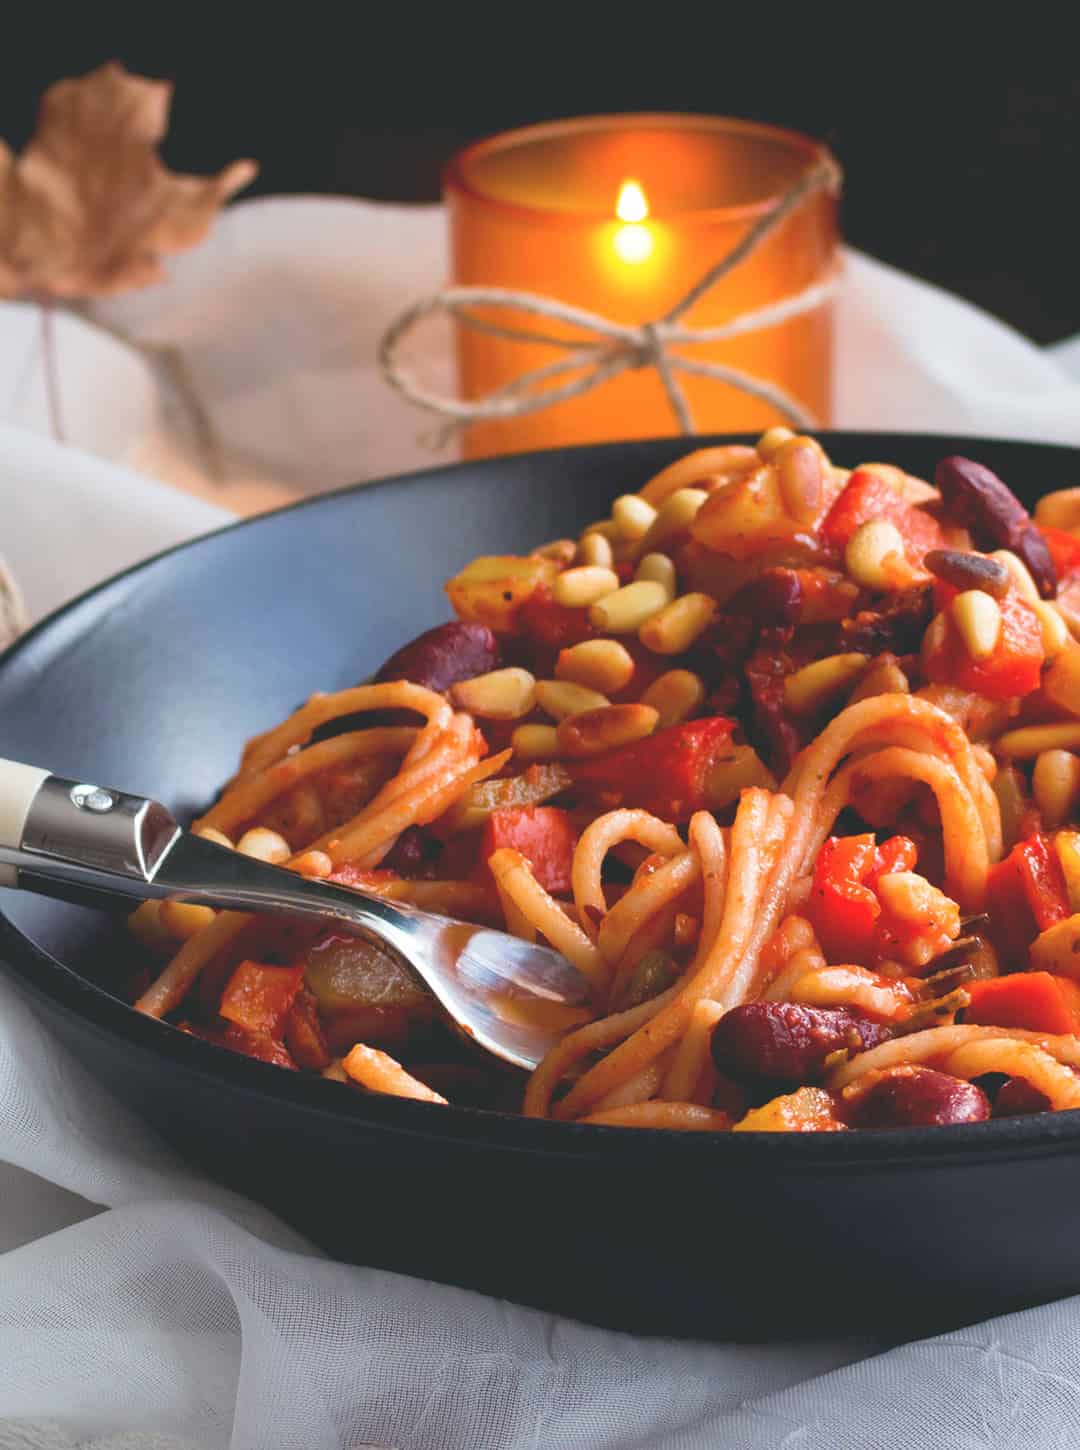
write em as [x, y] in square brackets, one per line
[633, 242]
[621, 215]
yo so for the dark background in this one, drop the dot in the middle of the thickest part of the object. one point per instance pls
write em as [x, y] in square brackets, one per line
[961, 141]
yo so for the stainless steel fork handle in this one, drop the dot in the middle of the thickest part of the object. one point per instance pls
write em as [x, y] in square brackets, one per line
[81, 841]
[78, 829]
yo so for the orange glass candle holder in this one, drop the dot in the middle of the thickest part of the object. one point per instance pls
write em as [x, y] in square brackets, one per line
[622, 215]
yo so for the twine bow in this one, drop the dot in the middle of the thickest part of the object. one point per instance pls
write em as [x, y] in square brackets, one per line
[604, 349]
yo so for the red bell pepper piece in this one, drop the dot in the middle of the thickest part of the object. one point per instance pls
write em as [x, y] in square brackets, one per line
[898, 853]
[555, 626]
[1036, 1001]
[667, 773]
[868, 496]
[843, 908]
[1012, 670]
[1044, 881]
[544, 835]
[1064, 550]
[257, 997]
[1026, 893]
[259, 1045]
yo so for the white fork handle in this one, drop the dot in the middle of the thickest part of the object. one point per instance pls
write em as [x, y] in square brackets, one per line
[19, 785]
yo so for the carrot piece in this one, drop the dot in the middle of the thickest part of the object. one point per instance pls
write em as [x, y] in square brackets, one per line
[1036, 1001]
[257, 997]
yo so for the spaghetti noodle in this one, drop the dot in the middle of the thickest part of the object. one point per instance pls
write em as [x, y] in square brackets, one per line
[813, 850]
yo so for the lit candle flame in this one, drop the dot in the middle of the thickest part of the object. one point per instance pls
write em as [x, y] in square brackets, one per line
[633, 242]
[631, 205]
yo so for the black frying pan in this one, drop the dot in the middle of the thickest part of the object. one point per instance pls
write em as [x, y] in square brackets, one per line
[153, 681]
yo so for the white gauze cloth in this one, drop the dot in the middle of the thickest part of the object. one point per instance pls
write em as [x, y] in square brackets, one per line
[141, 1306]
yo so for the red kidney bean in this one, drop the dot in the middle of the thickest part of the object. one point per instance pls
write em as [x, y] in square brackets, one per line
[918, 1097]
[1017, 1098]
[975, 497]
[437, 659]
[785, 1042]
[411, 852]
[444, 656]
[780, 736]
[896, 628]
[774, 598]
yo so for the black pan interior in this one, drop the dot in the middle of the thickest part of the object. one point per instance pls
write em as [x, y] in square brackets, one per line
[153, 681]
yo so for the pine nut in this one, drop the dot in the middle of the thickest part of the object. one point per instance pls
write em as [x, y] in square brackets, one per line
[884, 677]
[264, 845]
[626, 609]
[632, 516]
[1060, 509]
[499, 695]
[580, 587]
[676, 695]
[814, 686]
[869, 551]
[1067, 846]
[1031, 740]
[315, 865]
[596, 731]
[771, 440]
[1055, 632]
[933, 641]
[977, 616]
[800, 473]
[535, 742]
[561, 550]
[604, 527]
[219, 838]
[732, 772]
[676, 628]
[145, 926]
[677, 513]
[1021, 575]
[1055, 784]
[598, 664]
[1013, 800]
[183, 919]
[560, 699]
[660, 568]
[595, 549]
[1061, 679]
[966, 570]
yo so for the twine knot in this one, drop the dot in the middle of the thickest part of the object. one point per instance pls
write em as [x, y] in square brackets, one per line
[602, 349]
[651, 345]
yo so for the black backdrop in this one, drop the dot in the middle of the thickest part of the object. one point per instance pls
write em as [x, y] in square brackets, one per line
[960, 135]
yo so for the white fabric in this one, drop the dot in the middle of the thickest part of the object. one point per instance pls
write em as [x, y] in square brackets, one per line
[279, 312]
[143, 1307]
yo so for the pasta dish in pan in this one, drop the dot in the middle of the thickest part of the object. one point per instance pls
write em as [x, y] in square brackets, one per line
[783, 757]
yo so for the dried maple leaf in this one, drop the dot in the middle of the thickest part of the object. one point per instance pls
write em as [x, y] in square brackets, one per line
[88, 208]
